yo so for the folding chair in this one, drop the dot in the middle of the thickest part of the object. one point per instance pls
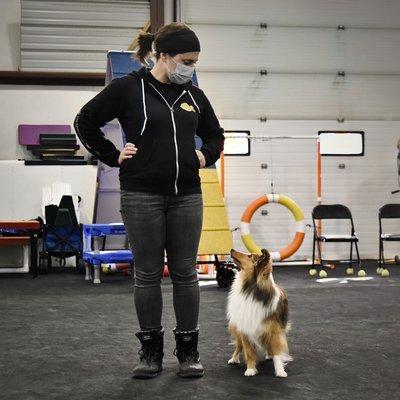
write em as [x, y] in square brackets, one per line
[334, 211]
[388, 211]
[62, 235]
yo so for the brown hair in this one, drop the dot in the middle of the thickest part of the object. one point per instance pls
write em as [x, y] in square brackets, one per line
[143, 42]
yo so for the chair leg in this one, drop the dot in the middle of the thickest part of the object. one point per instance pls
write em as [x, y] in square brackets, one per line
[350, 269]
[320, 254]
[384, 271]
[322, 272]
[313, 270]
[34, 254]
[383, 256]
[313, 253]
[361, 272]
[379, 269]
[351, 253]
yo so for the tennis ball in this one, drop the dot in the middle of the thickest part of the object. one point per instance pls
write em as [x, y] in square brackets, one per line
[350, 271]
[361, 273]
[385, 273]
[312, 272]
[322, 274]
[379, 270]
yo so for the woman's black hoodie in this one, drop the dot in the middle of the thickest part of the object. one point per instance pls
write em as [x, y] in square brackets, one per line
[162, 121]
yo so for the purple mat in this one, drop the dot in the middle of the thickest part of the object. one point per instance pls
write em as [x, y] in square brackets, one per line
[29, 134]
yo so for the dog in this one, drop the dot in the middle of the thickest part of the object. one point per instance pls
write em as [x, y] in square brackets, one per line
[258, 314]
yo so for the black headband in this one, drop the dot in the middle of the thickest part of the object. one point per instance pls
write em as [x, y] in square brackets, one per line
[183, 41]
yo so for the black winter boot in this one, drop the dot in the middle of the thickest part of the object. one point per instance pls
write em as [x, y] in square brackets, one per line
[187, 354]
[151, 353]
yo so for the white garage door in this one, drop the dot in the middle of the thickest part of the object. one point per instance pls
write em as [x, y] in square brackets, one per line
[75, 35]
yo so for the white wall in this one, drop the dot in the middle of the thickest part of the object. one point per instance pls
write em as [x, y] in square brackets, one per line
[364, 185]
[23, 104]
[37, 105]
[10, 18]
[302, 50]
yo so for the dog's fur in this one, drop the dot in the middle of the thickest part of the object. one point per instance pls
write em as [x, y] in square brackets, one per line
[258, 314]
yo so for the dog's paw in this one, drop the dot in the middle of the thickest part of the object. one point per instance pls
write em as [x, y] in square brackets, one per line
[233, 360]
[281, 374]
[251, 372]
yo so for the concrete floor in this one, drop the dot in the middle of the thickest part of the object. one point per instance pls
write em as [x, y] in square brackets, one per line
[63, 338]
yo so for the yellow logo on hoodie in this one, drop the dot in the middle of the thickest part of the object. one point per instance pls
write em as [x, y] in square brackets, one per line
[187, 107]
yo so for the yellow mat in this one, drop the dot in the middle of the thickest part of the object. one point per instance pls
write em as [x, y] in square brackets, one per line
[216, 237]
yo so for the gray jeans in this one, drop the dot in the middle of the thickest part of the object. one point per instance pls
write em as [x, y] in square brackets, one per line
[157, 223]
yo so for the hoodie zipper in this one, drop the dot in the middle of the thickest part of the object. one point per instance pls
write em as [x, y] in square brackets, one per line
[171, 109]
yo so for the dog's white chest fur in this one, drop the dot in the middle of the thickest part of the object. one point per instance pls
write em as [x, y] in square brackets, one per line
[246, 313]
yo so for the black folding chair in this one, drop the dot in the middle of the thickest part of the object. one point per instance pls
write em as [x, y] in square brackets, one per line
[334, 211]
[388, 211]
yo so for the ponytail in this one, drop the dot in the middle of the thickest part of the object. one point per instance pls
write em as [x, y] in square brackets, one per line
[142, 43]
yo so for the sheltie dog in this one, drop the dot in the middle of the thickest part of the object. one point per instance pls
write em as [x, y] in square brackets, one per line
[258, 314]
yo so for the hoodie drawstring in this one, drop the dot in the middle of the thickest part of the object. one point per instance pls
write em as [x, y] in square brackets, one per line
[144, 108]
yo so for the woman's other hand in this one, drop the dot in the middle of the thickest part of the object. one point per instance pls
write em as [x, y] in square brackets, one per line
[202, 159]
[127, 152]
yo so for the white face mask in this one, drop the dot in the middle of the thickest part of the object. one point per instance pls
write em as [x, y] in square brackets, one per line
[182, 74]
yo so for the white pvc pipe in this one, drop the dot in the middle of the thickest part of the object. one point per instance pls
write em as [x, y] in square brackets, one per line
[270, 137]
[288, 263]
[96, 273]
[88, 274]
[96, 268]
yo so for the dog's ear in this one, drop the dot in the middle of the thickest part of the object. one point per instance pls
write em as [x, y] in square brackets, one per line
[266, 255]
[254, 257]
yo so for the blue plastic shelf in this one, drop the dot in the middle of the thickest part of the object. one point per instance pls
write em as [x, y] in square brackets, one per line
[90, 230]
[108, 257]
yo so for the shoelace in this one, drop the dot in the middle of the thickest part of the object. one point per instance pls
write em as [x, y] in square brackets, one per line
[190, 355]
[149, 356]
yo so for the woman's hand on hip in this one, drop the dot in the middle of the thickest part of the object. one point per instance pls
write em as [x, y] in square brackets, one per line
[202, 159]
[127, 152]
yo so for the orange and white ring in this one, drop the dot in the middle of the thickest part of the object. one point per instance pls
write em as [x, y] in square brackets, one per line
[298, 215]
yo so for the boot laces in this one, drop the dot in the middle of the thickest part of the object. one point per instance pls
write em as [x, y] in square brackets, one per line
[148, 355]
[190, 354]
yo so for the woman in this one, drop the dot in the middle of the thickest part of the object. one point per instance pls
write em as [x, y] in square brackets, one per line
[160, 112]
